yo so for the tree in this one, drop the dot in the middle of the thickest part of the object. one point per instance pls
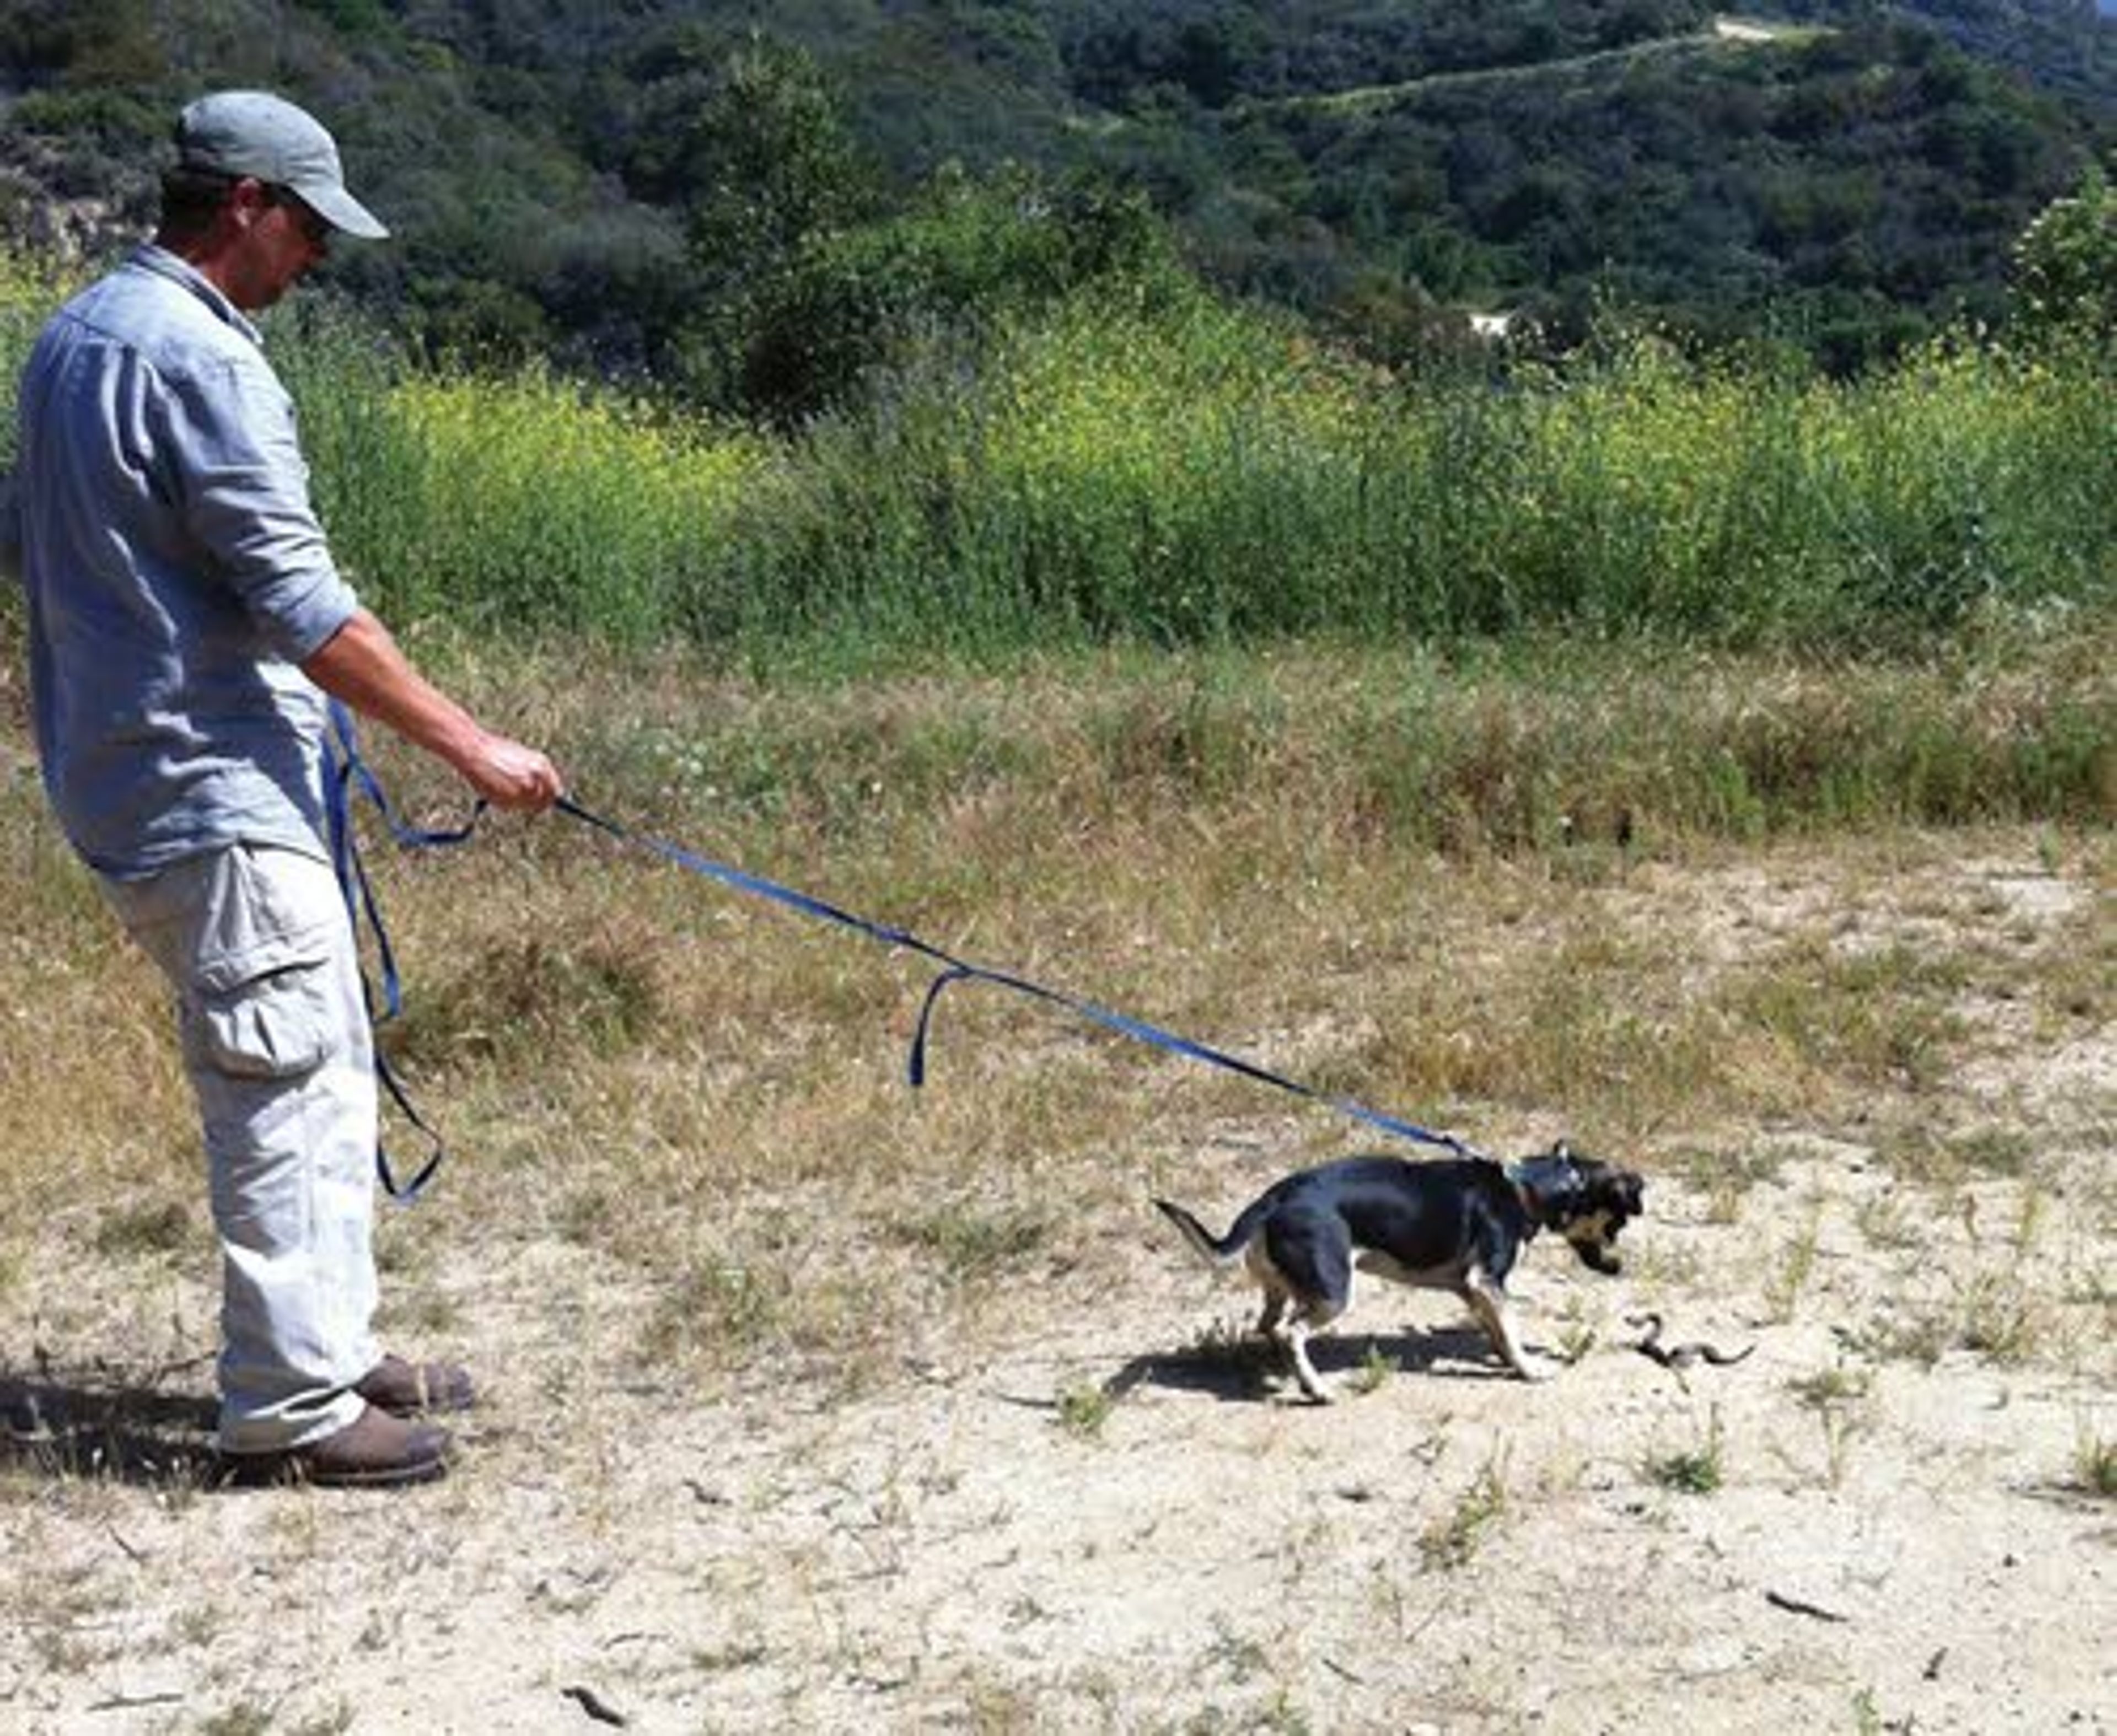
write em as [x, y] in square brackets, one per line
[780, 167]
[747, 140]
[966, 256]
[750, 146]
[2066, 264]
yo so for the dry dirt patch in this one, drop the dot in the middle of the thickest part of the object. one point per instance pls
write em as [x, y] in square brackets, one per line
[1072, 1498]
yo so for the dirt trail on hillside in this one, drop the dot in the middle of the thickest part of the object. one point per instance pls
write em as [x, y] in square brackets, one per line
[1110, 1513]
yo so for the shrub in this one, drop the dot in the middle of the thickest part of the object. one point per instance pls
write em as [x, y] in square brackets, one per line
[2066, 264]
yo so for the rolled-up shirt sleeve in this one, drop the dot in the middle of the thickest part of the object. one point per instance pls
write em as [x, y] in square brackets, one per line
[243, 486]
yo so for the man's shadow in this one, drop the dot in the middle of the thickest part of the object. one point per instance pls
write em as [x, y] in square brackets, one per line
[1249, 1370]
[67, 1426]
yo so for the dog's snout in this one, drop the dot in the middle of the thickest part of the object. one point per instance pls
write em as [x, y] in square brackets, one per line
[1594, 1239]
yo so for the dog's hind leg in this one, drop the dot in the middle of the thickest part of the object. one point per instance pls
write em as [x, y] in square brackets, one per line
[1488, 1302]
[1311, 1255]
[1292, 1338]
[1275, 1311]
[1271, 1321]
[1314, 1317]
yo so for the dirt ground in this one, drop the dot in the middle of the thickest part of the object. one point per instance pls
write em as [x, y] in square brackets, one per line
[1103, 1510]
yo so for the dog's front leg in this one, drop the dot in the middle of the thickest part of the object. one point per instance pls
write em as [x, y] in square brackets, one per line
[1489, 1304]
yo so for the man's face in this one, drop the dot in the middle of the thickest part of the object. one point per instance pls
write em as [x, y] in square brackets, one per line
[280, 239]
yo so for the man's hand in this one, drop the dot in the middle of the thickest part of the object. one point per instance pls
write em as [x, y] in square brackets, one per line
[509, 775]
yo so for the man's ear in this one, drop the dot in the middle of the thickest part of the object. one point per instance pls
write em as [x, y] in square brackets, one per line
[248, 200]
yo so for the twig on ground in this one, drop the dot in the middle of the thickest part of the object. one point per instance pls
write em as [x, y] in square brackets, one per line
[596, 1706]
[136, 1556]
[1780, 1600]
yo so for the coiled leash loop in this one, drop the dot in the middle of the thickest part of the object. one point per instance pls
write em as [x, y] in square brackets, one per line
[345, 772]
[351, 771]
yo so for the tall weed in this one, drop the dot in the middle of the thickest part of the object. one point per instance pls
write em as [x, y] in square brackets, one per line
[1173, 470]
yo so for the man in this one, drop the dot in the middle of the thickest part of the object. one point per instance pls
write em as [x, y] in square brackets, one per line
[183, 612]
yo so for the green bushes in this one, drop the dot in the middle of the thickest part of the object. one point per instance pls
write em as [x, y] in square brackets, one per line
[1138, 463]
[1192, 473]
[967, 255]
[523, 502]
[2063, 263]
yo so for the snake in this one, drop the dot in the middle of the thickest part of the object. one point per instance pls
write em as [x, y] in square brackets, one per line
[1680, 1355]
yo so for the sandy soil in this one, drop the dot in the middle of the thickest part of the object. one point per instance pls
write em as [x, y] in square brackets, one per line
[1111, 1514]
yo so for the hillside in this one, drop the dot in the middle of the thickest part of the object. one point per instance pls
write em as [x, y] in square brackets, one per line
[1842, 173]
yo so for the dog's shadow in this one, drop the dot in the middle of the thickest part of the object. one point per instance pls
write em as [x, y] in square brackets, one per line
[72, 1427]
[1249, 1370]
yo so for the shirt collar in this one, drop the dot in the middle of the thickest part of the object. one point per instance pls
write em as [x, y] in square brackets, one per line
[163, 263]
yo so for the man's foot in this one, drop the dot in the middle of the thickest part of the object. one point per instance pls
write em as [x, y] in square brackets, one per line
[410, 1388]
[374, 1451]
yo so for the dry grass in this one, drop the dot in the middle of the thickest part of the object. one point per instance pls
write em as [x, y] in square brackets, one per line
[682, 1138]
[1455, 1536]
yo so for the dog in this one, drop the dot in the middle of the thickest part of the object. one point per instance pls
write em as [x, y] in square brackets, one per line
[1458, 1225]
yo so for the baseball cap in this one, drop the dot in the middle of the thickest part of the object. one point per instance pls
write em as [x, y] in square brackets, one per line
[254, 133]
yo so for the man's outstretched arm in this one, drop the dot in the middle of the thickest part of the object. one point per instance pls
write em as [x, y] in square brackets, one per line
[361, 664]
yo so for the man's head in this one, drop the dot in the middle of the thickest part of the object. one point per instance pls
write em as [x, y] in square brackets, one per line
[257, 195]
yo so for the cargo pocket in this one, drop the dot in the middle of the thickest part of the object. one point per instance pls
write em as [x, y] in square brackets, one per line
[276, 1025]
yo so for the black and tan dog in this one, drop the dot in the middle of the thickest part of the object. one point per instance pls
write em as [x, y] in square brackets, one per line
[1457, 1226]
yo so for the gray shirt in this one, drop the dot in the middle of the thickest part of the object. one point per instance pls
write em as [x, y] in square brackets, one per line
[175, 574]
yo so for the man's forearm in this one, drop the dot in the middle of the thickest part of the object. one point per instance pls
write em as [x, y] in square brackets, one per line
[362, 665]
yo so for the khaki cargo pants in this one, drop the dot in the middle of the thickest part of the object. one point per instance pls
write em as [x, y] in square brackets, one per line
[256, 943]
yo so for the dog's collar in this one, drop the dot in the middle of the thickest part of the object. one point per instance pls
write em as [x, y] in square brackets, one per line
[1538, 1180]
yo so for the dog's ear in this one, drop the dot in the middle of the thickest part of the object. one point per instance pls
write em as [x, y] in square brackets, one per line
[1623, 1188]
[1612, 1186]
[1562, 1151]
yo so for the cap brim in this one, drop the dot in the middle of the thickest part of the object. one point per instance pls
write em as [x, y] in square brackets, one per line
[344, 213]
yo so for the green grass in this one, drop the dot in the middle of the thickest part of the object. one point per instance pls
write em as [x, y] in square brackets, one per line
[1376, 1371]
[2095, 1464]
[1695, 1471]
[1188, 474]
[1206, 479]
[1084, 1410]
[1584, 751]
[967, 1244]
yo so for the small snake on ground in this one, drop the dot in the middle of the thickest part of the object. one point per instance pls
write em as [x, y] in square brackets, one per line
[1680, 1355]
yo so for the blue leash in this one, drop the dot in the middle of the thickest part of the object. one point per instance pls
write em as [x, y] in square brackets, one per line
[351, 771]
[954, 970]
[346, 771]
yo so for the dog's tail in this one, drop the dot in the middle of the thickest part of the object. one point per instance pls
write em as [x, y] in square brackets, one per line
[1216, 1250]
